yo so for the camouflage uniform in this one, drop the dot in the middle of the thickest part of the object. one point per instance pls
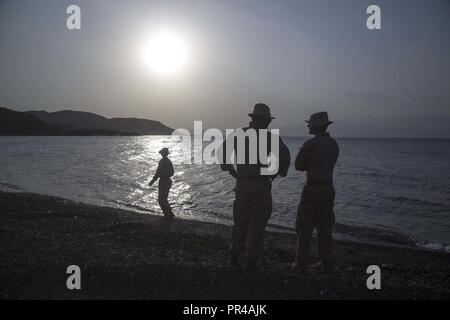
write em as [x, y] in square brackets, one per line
[252, 207]
[317, 157]
[164, 172]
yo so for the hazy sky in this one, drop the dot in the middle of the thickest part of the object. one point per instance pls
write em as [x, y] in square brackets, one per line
[297, 56]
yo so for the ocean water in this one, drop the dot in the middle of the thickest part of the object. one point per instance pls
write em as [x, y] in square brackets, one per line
[391, 191]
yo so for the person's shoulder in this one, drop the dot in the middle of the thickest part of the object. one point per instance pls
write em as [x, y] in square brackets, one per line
[333, 140]
[310, 142]
[274, 135]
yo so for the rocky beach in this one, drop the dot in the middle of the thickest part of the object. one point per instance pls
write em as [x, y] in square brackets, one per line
[128, 255]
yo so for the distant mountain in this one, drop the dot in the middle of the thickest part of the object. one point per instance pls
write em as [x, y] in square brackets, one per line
[71, 119]
[20, 123]
[78, 120]
[74, 123]
[407, 126]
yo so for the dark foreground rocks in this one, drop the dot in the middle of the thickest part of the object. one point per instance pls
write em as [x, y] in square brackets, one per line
[127, 255]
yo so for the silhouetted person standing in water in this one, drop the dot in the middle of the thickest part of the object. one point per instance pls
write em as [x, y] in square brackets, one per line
[252, 206]
[163, 173]
[317, 157]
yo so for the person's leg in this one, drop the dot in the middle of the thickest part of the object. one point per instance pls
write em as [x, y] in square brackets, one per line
[304, 238]
[163, 193]
[325, 227]
[239, 230]
[260, 212]
[304, 228]
[325, 243]
[168, 207]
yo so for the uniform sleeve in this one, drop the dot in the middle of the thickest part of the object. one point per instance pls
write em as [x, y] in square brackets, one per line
[223, 161]
[158, 171]
[301, 161]
[165, 168]
[169, 170]
[285, 159]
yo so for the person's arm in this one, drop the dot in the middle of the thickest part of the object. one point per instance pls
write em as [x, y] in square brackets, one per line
[224, 165]
[170, 170]
[229, 168]
[157, 174]
[301, 161]
[285, 159]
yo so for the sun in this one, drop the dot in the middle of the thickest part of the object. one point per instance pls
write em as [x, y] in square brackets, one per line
[167, 53]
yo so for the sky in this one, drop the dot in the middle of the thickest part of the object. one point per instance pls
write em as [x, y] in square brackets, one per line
[296, 56]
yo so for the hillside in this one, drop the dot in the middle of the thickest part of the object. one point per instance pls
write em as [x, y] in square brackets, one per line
[75, 123]
[69, 119]
[20, 123]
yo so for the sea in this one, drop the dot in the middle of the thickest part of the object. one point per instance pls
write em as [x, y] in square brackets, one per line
[389, 191]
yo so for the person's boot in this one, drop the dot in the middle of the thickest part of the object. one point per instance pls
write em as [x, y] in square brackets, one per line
[169, 215]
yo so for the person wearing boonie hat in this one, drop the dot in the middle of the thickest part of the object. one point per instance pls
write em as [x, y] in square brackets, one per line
[252, 206]
[317, 157]
[261, 110]
[163, 173]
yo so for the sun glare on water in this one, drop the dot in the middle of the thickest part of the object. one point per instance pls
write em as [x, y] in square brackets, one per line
[166, 53]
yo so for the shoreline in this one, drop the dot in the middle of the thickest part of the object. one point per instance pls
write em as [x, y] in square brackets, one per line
[128, 255]
[342, 232]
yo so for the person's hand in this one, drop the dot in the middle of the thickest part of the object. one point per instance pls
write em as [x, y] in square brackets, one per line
[233, 173]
